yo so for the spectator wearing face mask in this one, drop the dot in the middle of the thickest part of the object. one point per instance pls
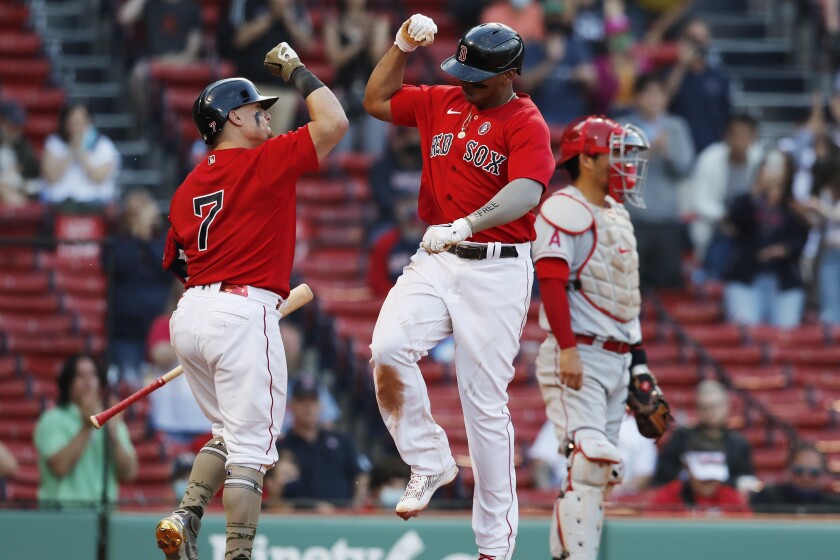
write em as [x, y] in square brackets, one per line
[805, 488]
[388, 478]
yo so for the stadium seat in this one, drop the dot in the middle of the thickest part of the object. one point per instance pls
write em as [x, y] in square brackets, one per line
[45, 303]
[714, 335]
[19, 44]
[18, 71]
[62, 345]
[13, 16]
[20, 409]
[805, 336]
[20, 430]
[21, 221]
[736, 356]
[87, 286]
[36, 100]
[24, 324]
[8, 368]
[46, 367]
[758, 377]
[807, 356]
[197, 74]
[696, 312]
[21, 492]
[332, 264]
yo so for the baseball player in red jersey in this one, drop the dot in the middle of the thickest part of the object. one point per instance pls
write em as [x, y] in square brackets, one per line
[232, 241]
[588, 271]
[486, 161]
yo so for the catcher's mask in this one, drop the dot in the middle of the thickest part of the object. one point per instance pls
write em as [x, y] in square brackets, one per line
[625, 145]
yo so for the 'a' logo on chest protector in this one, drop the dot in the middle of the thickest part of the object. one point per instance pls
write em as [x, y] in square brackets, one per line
[483, 157]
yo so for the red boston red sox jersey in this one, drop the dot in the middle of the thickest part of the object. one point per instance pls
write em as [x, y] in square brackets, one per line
[235, 213]
[461, 172]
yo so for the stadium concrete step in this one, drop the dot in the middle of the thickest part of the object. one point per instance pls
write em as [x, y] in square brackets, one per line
[771, 52]
[737, 26]
[769, 80]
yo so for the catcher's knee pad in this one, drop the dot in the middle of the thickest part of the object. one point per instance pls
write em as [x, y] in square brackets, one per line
[579, 514]
[216, 447]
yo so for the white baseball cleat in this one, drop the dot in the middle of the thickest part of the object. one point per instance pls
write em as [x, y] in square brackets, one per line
[420, 489]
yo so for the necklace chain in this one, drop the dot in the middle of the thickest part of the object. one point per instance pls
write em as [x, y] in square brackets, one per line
[469, 116]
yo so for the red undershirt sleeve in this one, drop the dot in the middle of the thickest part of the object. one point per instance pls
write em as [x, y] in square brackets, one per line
[553, 276]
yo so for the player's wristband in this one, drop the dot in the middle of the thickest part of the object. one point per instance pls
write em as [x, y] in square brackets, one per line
[305, 81]
[638, 356]
[402, 44]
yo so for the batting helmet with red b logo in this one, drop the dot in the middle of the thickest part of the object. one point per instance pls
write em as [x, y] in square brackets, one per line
[485, 51]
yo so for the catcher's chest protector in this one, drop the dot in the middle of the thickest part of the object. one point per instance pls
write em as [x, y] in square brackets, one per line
[610, 276]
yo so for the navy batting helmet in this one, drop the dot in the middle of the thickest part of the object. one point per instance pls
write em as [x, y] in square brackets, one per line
[485, 51]
[210, 110]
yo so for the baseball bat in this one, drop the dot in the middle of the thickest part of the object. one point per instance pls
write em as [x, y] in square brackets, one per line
[298, 297]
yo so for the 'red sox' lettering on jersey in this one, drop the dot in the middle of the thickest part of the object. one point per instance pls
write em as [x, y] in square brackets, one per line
[473, 154]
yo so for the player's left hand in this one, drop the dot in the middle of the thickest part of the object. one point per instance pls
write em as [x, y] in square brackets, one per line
[441, 237]
[571, 368]
[648, 403]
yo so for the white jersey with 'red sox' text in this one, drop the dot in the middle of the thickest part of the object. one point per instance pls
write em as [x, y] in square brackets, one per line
[460, 175]
[555, 241]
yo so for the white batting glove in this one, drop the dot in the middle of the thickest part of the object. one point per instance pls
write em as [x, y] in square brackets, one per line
[441, 237]
[417, 31]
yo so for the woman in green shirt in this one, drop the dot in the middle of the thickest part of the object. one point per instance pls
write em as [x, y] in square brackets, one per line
[71, 454]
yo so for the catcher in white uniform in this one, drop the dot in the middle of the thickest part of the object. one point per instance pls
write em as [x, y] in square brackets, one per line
[588, 270]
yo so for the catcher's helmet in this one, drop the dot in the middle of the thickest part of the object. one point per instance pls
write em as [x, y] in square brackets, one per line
[625, 146]
[211, 108]
[485, 51]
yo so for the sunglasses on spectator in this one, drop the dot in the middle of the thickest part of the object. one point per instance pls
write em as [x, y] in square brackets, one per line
[813, 472]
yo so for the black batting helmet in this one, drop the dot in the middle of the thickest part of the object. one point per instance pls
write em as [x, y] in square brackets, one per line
[210, 110]
[485, 51]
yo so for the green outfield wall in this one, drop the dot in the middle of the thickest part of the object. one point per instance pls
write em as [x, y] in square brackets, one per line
[73, 535]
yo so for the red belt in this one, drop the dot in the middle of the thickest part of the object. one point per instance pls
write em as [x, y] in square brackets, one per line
[609, 345]
[235, 289]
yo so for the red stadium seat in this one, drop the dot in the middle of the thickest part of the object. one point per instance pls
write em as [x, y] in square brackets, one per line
[676, 375]
[21, 430]
[34, 282]
[8, 367]
[714, 335]
[21, 259]
[89, 285]
[13, 16]
[197, 74]
[64, 345]
[33, 304]
[47, 367]
[758, 377]
[807, 356]
[20, 44]
[23, 451]
[696, 312]
[805, 336]
[739, 356]
[19, 492]
[25, 409]
[84, 304]
[21, 71]
[332, 264]
[21, 221]
[362, 308]
[23, 324]
[36, 100]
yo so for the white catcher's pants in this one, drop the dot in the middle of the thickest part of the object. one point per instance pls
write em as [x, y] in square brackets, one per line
[484, 304]
[233, 358]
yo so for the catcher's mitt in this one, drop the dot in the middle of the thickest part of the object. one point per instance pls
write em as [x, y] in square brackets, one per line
[649, 406]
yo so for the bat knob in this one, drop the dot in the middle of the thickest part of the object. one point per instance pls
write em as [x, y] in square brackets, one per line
[95, 422]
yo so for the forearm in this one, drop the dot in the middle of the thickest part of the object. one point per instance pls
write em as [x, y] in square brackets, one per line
[550, 273]
[130, 11]
[512, 202]
[65, 460]
[250, 32]
[675, 79]
[535, 77]
[53, 168]
[124, 460]
[8, 463]
[96, 173]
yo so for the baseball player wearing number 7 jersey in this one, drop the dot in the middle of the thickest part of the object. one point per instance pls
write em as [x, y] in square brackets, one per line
[232, 242]
[587, 267]
[486, 161]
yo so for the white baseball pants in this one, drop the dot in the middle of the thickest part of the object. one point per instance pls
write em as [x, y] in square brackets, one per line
[484, 304]
[232, 354]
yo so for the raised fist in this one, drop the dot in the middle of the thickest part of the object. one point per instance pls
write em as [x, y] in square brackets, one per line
[417, 31]
[282, 61]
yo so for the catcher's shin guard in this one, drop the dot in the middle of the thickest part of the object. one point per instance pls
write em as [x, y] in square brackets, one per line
[579, 514]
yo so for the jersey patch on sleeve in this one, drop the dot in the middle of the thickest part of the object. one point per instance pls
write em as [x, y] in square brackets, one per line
[567, 214]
